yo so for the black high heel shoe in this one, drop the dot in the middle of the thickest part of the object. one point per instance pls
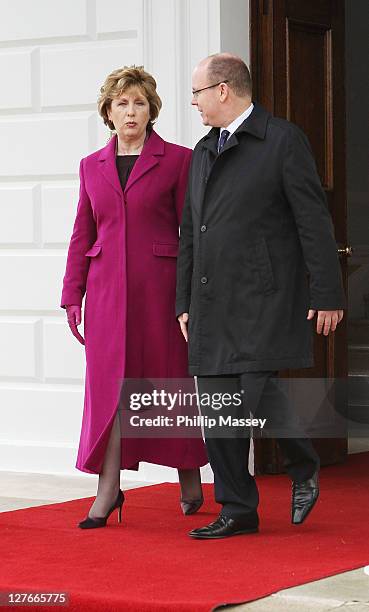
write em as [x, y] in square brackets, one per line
[100, 521]
[191, 506]
[190, 482]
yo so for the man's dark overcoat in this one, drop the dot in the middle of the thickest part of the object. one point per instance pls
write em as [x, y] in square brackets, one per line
[257, 250]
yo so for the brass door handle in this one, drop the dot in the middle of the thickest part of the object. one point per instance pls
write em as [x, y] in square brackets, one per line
[347, 251]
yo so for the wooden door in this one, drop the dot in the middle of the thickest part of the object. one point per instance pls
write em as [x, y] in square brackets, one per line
[298, 72]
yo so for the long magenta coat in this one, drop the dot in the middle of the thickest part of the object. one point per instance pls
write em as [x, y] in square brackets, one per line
[122, 253]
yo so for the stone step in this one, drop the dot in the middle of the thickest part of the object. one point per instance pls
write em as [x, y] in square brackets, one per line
[358, 358]
[358, 388]
[358, 405]
[359, 413]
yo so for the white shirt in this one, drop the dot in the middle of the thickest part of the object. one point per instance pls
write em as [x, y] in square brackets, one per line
[232, 127]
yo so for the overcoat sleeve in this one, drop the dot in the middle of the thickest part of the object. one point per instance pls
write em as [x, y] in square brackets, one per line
[83, 236]
[185, 256]
[307, 200]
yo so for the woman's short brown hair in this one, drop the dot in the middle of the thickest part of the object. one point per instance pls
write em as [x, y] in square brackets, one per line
[121, 80]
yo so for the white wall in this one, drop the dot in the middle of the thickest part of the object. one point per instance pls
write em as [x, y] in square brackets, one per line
[53, 59]
[234, 28]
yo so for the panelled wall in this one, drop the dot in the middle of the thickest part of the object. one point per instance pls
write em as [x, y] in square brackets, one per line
[53, 59]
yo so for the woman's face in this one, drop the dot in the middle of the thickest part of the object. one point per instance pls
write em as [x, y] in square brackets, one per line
[130, 113]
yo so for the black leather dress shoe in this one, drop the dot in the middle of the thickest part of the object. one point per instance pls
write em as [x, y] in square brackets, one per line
[225, 527]
[304, 497]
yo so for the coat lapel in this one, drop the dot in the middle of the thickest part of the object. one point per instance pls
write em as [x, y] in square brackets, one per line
[153, 147]
[255, 124]
[210, 141]
[108, 166]
[208, 157]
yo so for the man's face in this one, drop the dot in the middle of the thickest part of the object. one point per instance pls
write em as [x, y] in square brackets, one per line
[206, 101]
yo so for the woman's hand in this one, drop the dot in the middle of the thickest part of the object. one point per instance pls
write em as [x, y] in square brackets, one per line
[74, 319]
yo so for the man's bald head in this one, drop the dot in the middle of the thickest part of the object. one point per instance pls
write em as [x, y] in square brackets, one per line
[221, 89]
[222, 67]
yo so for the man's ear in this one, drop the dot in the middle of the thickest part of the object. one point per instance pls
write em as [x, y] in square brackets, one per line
[225, 93]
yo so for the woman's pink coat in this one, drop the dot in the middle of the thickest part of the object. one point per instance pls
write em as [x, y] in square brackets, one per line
[122, 254]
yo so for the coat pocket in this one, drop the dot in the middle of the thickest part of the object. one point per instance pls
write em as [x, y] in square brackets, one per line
[264, 265]
[164, 249]
[93, 251]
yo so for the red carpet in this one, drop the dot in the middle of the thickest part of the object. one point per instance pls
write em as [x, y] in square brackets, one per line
[149, 564]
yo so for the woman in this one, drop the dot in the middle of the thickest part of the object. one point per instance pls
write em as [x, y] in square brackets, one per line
[123, 252]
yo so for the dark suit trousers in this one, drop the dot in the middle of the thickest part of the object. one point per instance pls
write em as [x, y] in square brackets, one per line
[235, 488]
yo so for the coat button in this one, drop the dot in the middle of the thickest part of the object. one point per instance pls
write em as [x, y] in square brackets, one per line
[204, 280]
[203, 228]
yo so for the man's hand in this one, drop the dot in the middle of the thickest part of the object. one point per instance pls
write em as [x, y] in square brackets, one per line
[327, 320]
[74, 319]
[183, 320]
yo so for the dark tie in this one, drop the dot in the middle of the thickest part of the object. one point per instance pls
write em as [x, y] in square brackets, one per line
[222, 140]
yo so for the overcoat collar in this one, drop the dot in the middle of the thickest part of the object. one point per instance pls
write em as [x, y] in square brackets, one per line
[255, 124]
[153, 147]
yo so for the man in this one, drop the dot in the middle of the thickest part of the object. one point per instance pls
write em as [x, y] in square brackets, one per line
[254, 223]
